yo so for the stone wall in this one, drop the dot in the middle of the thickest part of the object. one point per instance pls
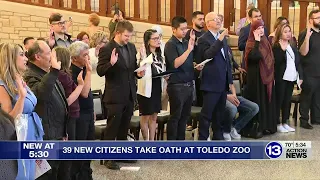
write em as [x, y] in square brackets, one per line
[18, 21]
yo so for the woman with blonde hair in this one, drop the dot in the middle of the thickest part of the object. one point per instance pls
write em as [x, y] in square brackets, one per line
[16, 98]
[94, 21]
[98, 40]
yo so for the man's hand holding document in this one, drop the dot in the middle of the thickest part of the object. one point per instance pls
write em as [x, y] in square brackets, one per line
[203, 63]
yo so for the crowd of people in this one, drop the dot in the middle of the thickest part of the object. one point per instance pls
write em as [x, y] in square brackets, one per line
[51, 81]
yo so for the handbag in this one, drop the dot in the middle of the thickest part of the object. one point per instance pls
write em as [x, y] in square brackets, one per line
[252, 130]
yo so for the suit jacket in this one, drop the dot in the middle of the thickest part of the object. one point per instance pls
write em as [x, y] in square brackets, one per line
[120, 84]
[244, 35]
[280, 58]
[216, 74]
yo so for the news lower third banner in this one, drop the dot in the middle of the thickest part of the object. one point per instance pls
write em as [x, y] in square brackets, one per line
[157, 150]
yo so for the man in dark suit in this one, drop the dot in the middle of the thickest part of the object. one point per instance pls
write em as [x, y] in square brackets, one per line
[254, 15]
[216, 76]
[117, 62]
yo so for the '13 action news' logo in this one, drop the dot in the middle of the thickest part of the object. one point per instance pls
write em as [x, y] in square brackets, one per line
[273, 150]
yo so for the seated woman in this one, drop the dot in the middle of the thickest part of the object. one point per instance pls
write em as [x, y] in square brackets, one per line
[260, 81]
[16, 98]
[97, 41]
[150, 101]
[287, 71]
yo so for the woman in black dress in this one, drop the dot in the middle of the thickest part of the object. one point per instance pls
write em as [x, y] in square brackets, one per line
[287, 71]
[260, 81]
[150, 102]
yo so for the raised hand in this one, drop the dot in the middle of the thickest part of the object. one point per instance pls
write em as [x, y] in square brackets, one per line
[80, 79]
[115, 17]
[192, 34]
[88, 65]
[224, 34]
[54, 62]
[143, 53]
[191, 40]
[257, 35]
[51, 40]
[114, 57]
[309, 32]
[21, 85]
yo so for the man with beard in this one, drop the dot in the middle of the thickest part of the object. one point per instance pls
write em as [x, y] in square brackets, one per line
[309, 46]
[197, 26]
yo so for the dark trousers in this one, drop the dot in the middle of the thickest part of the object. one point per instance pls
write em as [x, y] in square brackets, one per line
[180, 98]
[118, 121]
[212, 111]
[283, 93]
[199, 99]
[55, 173]
[310, 100]
[81, 170]
[66, 166]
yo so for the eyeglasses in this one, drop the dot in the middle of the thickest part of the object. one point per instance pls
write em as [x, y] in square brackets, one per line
[257, 16]
[215, 19]
[60, 23]
[155, 38]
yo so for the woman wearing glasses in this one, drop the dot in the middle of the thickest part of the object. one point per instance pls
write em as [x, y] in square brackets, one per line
[150, 101]
[287, 71]
[98, 40]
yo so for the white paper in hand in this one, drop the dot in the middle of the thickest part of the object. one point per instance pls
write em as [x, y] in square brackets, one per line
[141, 68]
[42, 166]
[203, 62]
[144, 63]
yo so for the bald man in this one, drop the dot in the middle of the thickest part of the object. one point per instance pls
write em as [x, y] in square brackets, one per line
[216, 76]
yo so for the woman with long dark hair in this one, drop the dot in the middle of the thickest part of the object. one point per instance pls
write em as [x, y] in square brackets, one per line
[260, 81]
[150, 102]
[287, 71]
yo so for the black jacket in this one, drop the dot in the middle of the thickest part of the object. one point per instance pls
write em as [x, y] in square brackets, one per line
[280, 64]
[120, 78]
[52, 104]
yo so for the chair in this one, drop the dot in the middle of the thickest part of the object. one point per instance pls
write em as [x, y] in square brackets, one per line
[237, 86]
[162, 119]
[101, 123]
[98, 104]
[295, 99]
[135, 126]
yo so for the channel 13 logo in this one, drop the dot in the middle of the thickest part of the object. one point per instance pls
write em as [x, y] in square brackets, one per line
[273, 150]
